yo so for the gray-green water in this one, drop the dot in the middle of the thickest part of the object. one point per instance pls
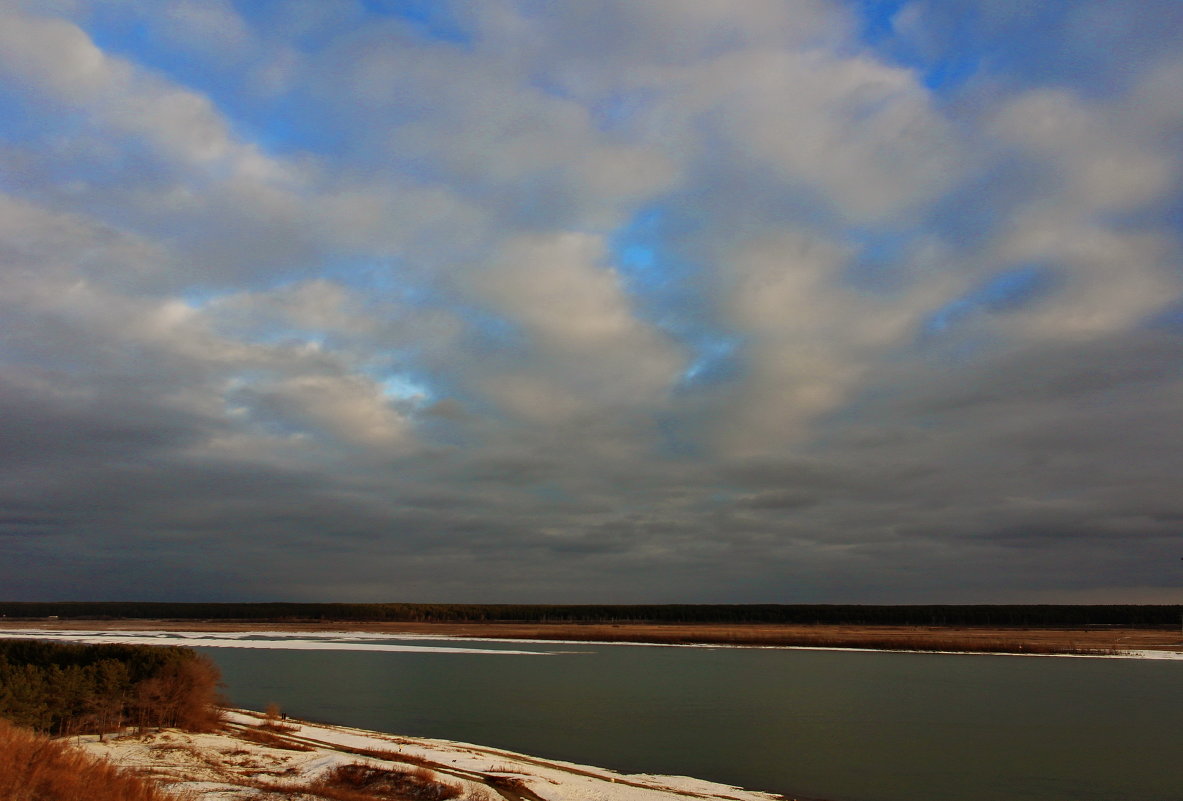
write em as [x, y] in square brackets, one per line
[846, 726]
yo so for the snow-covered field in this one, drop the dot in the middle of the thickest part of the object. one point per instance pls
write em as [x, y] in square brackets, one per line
[230, 767]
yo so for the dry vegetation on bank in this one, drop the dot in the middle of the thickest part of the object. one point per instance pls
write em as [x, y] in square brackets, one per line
[879, 639]
[67, 689]
[36, 768]
[974, 639]
[357, 781]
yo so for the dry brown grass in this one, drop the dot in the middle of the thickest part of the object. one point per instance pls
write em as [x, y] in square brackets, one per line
[361, 782]
[394, 756]
[1033, 639]
[892, 638]
[35, 768]
[262, 736]
[511, 783]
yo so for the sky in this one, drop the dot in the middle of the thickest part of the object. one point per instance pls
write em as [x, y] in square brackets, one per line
[592, 301]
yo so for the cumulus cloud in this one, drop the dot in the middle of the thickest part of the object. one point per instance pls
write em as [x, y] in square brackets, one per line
[606, 301]
[590, 348]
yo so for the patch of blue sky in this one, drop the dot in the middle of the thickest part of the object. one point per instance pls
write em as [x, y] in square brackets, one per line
[198, 297]
[288, 125]
[1097, 48]
[138, 41]
[618, 111]
[434, 19]
[950, 72]
[385, 278]
[406, 388]
[1159, 213]
[880, 261]
[877, 18]
[972, 213]
[638, 258]
[274, 19]
[282, 124]
[1006, 291]
[19, 122]
[669, 292]
[488, 333]
[1169, 320]
[716, 360]
[940, 72]
[642, 251]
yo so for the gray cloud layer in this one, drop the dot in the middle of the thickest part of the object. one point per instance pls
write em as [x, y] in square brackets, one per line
[613, 301]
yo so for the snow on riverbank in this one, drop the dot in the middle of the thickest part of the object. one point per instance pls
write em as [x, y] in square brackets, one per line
[230, 766]
[413, 643]
[340, 641]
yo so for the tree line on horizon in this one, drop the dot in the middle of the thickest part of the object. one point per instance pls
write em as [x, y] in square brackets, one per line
[1052, 615]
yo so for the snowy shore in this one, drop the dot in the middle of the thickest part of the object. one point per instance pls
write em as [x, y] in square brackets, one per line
[345, 640]
[253, 759]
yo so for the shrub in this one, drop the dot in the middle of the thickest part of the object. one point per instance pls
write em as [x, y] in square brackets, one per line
[271, 720]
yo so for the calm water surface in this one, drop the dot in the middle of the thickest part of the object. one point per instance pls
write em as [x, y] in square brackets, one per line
[845, 726]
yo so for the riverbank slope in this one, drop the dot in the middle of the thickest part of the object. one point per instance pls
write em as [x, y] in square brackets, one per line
[263, 759]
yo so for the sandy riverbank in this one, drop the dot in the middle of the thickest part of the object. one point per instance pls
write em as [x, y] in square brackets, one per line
[233, 765]
[943, 638]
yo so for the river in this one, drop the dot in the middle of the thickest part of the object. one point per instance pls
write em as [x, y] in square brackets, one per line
[837, 725]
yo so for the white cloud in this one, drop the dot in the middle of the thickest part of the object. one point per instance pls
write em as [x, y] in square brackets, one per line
[348, 408]
[861, 133]
[493, 135]
[1097, 161]
[1105, 159]
[811, 337]
[1112, 280]
[587, 346]
[59, 57]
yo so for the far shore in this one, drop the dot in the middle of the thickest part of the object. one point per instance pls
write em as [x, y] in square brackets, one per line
[1101, 639]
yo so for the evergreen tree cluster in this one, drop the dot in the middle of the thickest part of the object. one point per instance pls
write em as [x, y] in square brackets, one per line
[63, 688]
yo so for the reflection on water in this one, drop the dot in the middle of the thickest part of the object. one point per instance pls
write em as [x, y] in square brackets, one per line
[840, 725]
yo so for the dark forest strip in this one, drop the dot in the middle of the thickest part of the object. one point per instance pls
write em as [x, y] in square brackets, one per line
[1051, 615]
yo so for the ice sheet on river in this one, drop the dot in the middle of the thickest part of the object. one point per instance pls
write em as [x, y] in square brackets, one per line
[337, 641]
